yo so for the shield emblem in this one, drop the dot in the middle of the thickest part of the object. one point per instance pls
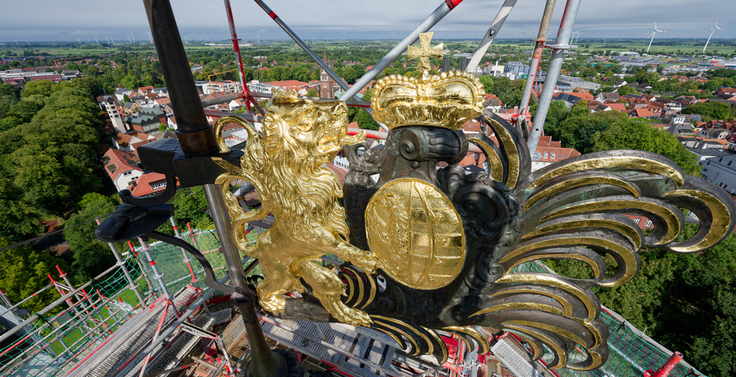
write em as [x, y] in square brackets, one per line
[416, 233]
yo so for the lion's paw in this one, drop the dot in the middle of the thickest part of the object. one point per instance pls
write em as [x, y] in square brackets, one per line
[366, 262]
[273, 304]
[351, 316]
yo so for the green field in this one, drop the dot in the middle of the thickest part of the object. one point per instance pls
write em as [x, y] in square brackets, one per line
[686, 47]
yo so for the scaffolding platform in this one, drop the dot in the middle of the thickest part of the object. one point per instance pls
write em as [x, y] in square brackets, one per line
[356, 351]
[179, 347]
[123, 345]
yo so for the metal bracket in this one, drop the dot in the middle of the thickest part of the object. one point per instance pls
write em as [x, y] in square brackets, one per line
[561, 46]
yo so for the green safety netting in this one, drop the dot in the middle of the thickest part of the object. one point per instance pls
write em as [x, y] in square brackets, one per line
[630, 354]
[170, 259]
[51, 345]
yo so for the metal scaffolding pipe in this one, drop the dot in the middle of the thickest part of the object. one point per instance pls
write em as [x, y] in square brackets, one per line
[131, 283]
[216, 202]
[241, 70]
[549, 8]
[490, 35]
[143, 270]
[428, 23]
[156, 273]
[48, 308]
[187, 260]
[303, 45]
[165, 334]
[11, 307]
[553, 73]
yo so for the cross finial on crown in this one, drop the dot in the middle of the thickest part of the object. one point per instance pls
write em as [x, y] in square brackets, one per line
[424, 52]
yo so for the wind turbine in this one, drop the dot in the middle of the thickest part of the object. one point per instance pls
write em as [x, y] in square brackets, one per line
[653, 34]
[578, 37]
[149, 36]
[574, 34]
[604, 40]
[711, 30]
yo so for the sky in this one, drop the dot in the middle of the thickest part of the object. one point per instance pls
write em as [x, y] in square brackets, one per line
[69, 20]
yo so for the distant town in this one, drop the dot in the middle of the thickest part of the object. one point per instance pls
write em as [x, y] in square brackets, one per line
[666, 90]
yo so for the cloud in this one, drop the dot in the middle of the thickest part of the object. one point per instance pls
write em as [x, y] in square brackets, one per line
[72, 19]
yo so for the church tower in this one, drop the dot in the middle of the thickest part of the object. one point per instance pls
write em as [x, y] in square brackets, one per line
[326, 83]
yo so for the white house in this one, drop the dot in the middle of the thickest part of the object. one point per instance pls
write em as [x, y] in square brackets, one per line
[121, 167]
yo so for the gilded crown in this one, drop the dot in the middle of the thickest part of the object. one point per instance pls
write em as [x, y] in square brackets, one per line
[447, 100]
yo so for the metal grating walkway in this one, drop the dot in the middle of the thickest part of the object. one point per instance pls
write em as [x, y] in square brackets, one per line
[357, 351]
[118, 349]
[179, 347]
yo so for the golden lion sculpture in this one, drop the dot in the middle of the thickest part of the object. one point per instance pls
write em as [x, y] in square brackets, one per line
[286, 166]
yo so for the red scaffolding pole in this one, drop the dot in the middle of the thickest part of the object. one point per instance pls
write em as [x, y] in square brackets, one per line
[245, 94]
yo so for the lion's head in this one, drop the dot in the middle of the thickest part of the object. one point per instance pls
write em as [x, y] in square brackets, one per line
[299, 136]
[313, 130]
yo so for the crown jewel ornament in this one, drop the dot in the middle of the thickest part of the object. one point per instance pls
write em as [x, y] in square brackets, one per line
[447, 100]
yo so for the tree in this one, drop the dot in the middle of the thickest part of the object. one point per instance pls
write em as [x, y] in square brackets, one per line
[91, 71]
[91, 256]
[93, 197]
[42, 87]
[710, 111]
[23, 272]
[501, 86]
[190, 206]
[349, 74]
[624, 90]
[313, 93]
[579, 108]
[8, 96]
[627, 133]
[25, 109]
[131, 82]
[576, 131]
[365, 121]
[487, 82]
[556, 113]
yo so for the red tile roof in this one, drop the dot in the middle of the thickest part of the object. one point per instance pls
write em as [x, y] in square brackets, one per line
[617, 106]
[118, 162]
[643, 113]
[143, 186]
[585, 96]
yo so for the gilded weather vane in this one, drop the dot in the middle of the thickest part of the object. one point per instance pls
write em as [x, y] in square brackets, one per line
[449, 243]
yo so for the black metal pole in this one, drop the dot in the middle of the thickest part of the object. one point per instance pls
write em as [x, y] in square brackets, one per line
[197, 138]
[194, 133]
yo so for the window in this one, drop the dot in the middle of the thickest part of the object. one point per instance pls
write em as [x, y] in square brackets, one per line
[648, 224]
[636, 220]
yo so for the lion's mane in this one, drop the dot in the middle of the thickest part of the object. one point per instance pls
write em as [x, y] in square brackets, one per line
[300, 188]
